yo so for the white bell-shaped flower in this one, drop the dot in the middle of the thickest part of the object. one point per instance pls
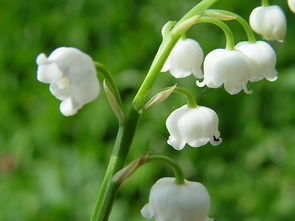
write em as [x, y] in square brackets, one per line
[291, 4]
[263, 60]
[185, 58]
[169, 201]
[72, 77]
[194, 126]
[228, 67]
[270, 22]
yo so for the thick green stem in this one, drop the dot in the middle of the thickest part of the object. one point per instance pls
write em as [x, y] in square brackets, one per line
[162, 54]
[230, 42]
[179, 176]
[191, 100]
[108, 188]
[242, 21]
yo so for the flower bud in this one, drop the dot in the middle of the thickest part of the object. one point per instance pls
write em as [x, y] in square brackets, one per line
[169, 201]
[262, 58]
[291, 4]
[185, 58]
[195, 126]
[72, 77]
[270, 22]
[228, 67]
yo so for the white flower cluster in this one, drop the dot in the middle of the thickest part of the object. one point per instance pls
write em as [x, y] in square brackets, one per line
[72, 78]
[248, 61]
[231, 68]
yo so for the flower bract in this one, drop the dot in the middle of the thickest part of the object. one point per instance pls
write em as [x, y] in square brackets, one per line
[169, 201]
[269, 21]
[185, 58]
[72, 77]
[263, 60]
[228, 67]
[194, 126]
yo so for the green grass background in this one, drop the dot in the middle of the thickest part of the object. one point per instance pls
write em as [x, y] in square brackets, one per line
[51, 166]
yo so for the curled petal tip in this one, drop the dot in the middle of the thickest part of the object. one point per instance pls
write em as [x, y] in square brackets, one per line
[281, 40]
[176, 144]
[69, 107]
[216, 140]
[198, 73]
[147, 212]
[272, 78]
[200, 84]
[247, 91]
[232, 91]
[42, 59]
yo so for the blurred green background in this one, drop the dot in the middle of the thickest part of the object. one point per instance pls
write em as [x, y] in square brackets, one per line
[51, 166]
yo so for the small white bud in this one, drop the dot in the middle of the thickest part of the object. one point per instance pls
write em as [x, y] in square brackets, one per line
[72, 77]
[169, 201]
[270, 22]
[186, 58]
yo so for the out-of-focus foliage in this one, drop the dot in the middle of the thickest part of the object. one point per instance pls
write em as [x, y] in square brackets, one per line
[51, 166]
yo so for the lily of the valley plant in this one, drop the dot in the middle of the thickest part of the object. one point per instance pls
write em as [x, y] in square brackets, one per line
[72, 76]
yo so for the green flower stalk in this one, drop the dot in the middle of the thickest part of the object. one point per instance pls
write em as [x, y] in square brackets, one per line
[179, 176]
[238, 18]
